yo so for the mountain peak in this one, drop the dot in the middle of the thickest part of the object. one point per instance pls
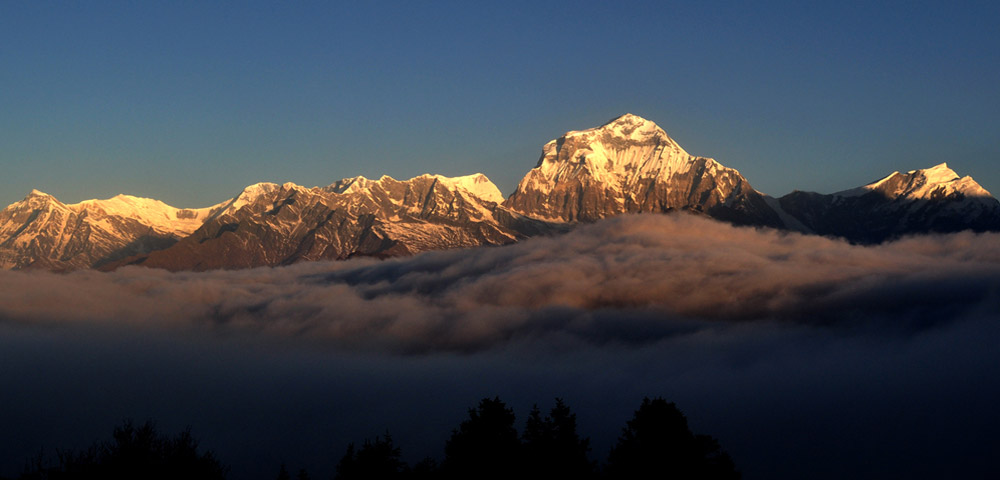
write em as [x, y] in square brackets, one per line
[36, 193]
[631, 128]
[37, 199]
[349, 185]
[250, 194]
[477, 184]
[631, 165]
[123, 200]
[619, 152]
[628, 118]
[259, 188]
[937, 174]
[938, 181]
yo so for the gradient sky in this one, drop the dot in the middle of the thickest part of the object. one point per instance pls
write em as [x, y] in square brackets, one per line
[189, 102]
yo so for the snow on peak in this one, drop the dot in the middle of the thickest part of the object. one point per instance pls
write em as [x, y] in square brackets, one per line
[625, 129]
[937, 174]
[629, 120]
[292, 186]
[923, 184]
[161, 217]
[635, 128]
[477, 185]
[36, 198]
[251, 193]
[350, 185]
[127, 205]
[618, 153]
[259, 188]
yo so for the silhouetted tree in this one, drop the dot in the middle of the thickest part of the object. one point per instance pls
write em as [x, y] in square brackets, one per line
[425, 469]
[552, 446]
[135, 452]
[283, 473]
[375, 459]
[658, 440]
[484, 446]
[303, 475]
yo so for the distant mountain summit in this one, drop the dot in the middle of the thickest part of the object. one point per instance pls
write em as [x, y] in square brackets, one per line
[935, 183]
[628, 165]
[42, 232]
[920, 201]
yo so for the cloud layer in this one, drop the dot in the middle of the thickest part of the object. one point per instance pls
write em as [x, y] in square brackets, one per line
[628, 279]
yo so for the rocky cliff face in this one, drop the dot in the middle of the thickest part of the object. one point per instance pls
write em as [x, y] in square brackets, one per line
[630, 165]
[920, 201]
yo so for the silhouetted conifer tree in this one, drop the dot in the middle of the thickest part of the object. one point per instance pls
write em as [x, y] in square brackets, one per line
[552, 446]
[375, 459]
[425, 469]
[657, 440]
[484, 446]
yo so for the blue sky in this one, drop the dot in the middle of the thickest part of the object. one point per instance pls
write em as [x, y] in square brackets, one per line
[188, 102]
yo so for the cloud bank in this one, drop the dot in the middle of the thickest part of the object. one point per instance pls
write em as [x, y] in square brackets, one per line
[630, 279]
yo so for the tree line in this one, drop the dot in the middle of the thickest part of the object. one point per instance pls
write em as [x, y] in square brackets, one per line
[656, 441]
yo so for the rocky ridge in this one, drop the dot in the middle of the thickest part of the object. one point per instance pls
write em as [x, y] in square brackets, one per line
[288, 223]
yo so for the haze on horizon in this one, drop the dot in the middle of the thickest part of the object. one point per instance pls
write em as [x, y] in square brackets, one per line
[189, 103]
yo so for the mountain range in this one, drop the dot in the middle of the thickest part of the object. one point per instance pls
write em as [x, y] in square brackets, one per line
[628, 165]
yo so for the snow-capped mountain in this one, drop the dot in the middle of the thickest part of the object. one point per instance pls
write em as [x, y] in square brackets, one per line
[630, 165]
[355, 216]
[40, 231]
[935, 199]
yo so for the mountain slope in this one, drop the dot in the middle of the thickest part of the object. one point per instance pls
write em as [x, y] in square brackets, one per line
[920, 201]
[630, 165]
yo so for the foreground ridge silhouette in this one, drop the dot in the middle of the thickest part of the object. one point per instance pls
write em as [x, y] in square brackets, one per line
[655, 441]
[133, 452]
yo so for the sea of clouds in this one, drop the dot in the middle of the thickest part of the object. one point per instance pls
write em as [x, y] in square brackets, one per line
[627, 279]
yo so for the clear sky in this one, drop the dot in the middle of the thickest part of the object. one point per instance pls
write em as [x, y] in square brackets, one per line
[189, 102]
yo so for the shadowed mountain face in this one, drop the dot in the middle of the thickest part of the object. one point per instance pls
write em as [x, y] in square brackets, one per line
[629, 165]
